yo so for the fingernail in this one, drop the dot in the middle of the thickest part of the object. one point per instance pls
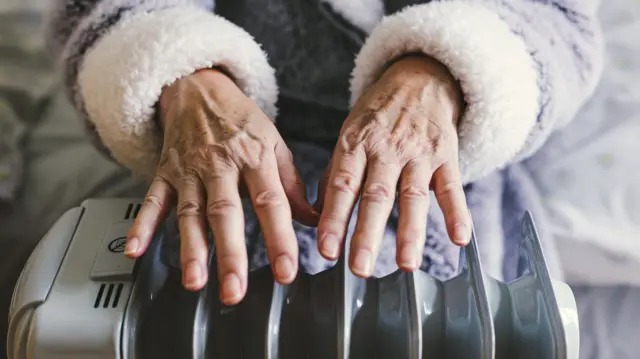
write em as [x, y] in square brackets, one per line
[193, 274]
[330, 246]
[408, 257]
[132, 246]
[284, 267]
[362, 263]
[460, 234]
[231, 288]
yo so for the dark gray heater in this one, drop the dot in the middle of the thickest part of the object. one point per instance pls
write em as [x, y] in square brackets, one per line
[331, 315]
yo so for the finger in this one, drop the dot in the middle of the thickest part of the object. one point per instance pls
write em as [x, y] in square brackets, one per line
[274, 214]
[452, 201]
[225, 216]
[378, 195]
[322, 189]
[155, 208]
[343, 188]
[194, 250]
[413, 207]
[294, 187]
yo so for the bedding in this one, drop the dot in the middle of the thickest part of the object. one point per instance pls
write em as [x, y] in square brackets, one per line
[609, 321]
[598, 245]
[589, 176]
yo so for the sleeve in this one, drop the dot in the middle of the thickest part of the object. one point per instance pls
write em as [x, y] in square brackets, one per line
[116, 56]
[525, 67]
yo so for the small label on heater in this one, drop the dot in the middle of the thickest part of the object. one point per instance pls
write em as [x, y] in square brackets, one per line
[111, 262]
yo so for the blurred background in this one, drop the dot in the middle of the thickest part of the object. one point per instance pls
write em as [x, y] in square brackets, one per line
[597, 227]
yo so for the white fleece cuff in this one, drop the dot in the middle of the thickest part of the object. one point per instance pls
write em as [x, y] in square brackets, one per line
[492, 64]
[122, 76]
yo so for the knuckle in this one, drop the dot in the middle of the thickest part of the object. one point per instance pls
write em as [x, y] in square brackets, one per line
[284, 150]
[372, 134]
[344, 182]
[188, 208]
[434, 144]
[386, 157]
[162, 162]
[169, 165]
[401, 147]
[349, 140]
[190, 177]
[413, 191]
[151, 200]
[373, 114]
[268, 199]
[378, 150]
[218, 155]
[387, 150]
[330, 220]
[447, 188]
[250, 153]
[220, 207]
[160, 178]
[172, 157]
[407, 147]
[377, 192]
[441, 143]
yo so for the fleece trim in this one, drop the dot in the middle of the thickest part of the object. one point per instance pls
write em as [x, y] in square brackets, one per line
[495, 70]
[122, 76]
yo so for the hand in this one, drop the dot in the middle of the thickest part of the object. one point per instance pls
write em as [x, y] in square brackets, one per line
[217, 142]
[400, 136]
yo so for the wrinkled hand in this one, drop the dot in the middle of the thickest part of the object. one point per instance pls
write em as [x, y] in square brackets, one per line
[400, 137]
[217, 143]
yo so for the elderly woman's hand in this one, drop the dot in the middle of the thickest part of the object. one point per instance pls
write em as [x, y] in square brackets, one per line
[400, 137]
[217, 142]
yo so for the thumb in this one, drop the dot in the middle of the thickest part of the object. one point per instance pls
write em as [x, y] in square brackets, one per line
[294, 187]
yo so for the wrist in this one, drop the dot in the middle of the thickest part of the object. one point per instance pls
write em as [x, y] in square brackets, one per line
[429, 74]
[172, 92]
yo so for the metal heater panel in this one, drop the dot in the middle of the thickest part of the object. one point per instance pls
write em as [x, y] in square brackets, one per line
[335, 314]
